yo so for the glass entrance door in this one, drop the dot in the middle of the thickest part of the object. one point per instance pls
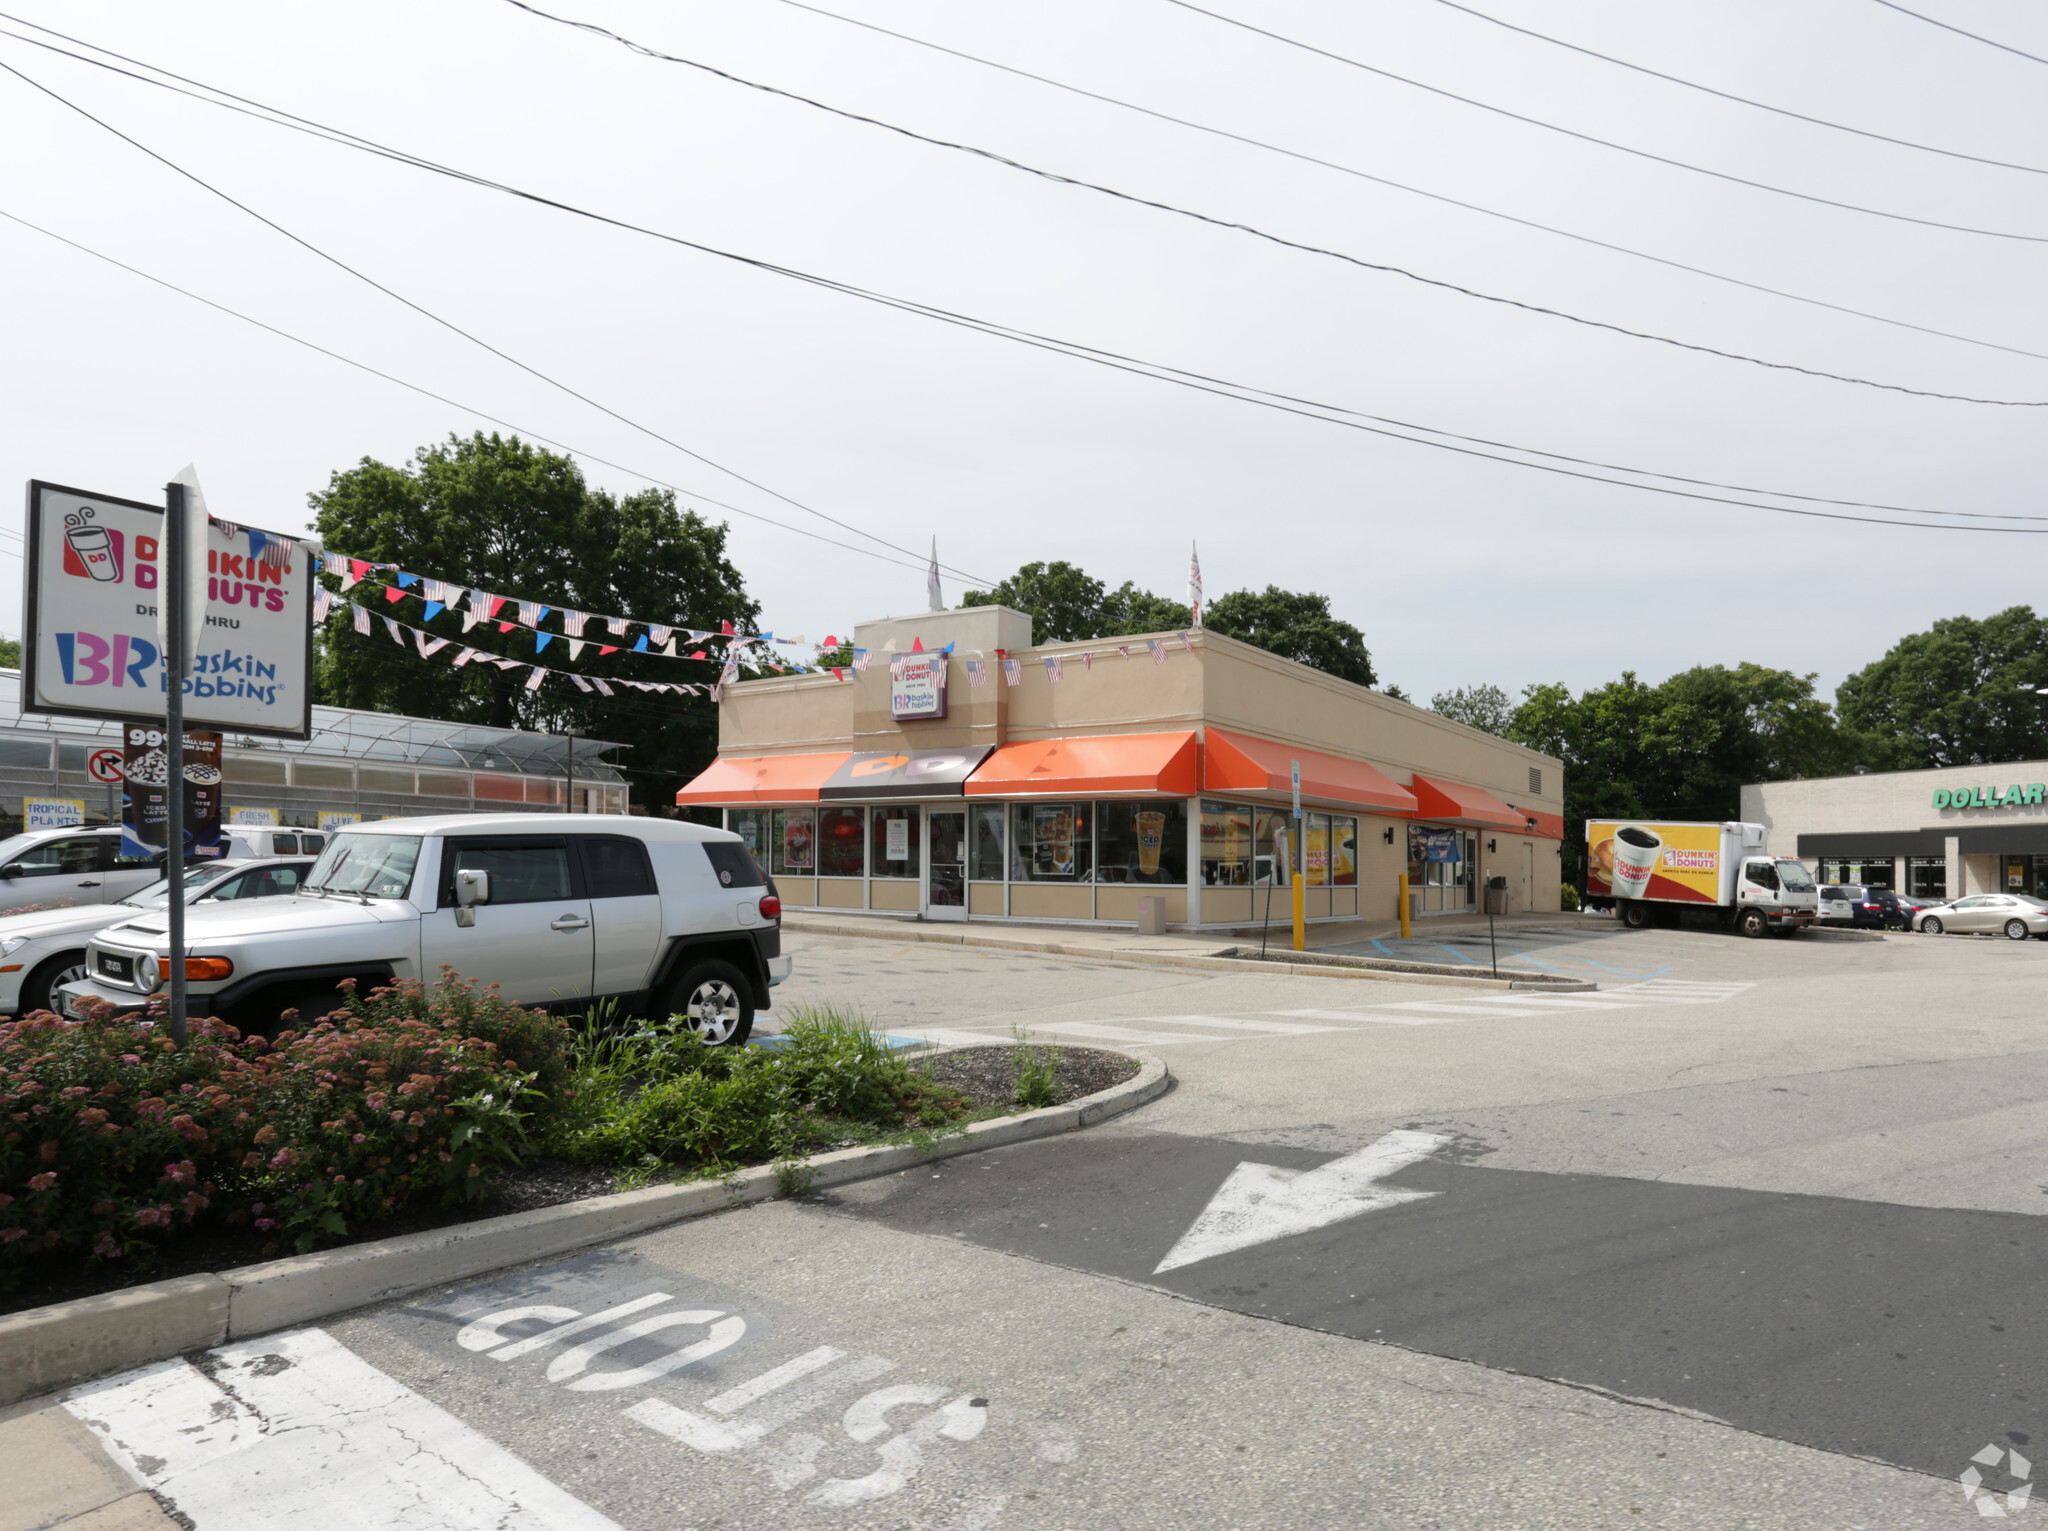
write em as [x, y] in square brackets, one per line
[945, 877]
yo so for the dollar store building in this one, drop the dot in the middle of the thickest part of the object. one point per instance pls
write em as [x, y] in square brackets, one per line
[1127, 780]
[1934, 834]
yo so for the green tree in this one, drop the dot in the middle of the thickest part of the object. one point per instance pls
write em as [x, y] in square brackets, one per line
[1959, 694]
[1296, 625]
[498, 514]
[10, 653]
[1484, 707]
[1681, 750]
[1068, 605]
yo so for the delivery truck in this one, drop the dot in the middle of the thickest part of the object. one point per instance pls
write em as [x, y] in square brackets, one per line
[1651, 872]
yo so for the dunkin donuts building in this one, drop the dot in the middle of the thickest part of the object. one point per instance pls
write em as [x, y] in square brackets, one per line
[1120, 781]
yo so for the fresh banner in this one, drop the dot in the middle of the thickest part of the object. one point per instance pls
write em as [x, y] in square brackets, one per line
[1634, 858]
[151, 777]
[93, 573]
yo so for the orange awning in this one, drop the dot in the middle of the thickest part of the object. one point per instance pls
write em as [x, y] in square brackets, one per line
[1452, 802]
[763, 779]
[1546, 826]
[1097, 763]
[1241, 763]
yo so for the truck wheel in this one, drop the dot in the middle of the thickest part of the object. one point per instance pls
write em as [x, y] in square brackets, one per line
[1754, 923]
[1636, 916]
[43, 984]
[715, 1002]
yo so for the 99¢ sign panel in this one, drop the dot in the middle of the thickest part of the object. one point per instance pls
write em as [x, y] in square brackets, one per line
[94, 576]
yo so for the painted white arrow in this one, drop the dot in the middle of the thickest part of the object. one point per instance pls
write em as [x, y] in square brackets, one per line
[1262, 1201]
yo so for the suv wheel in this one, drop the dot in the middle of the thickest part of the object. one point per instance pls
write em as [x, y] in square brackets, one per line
[2016, 930]
[715, 1002]
[1754, 923]
[43, 984]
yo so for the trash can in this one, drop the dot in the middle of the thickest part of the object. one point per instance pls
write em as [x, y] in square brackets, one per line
[1152, 915]
[1500, 901]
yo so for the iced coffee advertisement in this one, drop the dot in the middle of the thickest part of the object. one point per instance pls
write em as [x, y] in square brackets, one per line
[1638, 858]
[94, 577]
[1052, 833]
[152, 774]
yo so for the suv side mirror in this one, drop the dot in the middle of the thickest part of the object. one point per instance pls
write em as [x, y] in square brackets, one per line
[13, 869]
[472, 887]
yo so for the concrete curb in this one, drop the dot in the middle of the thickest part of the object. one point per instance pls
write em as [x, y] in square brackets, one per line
[1392, 972]
[52, 1347]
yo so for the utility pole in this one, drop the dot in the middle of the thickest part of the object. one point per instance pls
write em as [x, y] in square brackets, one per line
[569, 769]
[176, 664]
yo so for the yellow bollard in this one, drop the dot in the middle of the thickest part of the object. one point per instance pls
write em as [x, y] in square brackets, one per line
[1300, 911]
[1404, 906]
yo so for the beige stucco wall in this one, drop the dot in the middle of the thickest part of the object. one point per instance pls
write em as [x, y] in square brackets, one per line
[898, 893]
[1050, 901]
[985, 898]
[1119, 901]
[1886, 802]
[842, 893]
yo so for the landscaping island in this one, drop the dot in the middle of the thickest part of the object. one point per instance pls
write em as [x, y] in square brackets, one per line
[126, 1159]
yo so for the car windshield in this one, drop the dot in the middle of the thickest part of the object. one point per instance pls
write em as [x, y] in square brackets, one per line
[197, 879]
[12, 847]
[1794, 875]
[379, 866]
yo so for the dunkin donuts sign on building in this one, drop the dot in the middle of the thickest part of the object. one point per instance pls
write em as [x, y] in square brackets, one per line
[94, 574]
[1678, 862]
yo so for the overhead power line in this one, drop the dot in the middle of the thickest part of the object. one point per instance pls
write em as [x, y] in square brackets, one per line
[1974, 37]
[1762, 106]
[1606, 143]
[1434, 196]
[1259, 233]
[1308, 409]
[1330, 414]
[454, 328]
[471, 409]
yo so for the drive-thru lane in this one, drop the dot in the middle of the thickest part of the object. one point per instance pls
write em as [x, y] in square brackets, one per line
[1903, 1334]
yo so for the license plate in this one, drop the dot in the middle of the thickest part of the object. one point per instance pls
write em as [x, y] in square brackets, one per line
[120, 969]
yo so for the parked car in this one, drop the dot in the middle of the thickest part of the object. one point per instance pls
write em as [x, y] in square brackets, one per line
[45, 949]
[85, 866]
[2011, 914]
[1910, 906]
[1850, 903]
[557, 910]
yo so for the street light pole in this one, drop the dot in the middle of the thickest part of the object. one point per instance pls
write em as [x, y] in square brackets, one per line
[569, 767]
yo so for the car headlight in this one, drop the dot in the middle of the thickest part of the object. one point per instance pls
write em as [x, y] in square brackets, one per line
[9, 945]
[148, 978]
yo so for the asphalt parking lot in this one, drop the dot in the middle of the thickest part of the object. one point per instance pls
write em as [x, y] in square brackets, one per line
[1750, 1237]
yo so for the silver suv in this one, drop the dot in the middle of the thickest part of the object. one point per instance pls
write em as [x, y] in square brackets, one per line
[556, 910]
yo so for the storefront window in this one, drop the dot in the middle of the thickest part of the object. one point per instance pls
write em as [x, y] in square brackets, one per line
[1443, 859]
[795, 837]
[1052, 842]
[1270, 865]
[1226, 844]
[751, 825]
[1332, 851]
[1142, 842]
[1343, 851]
[895, 831]
[1927, 876]
[840, 843]
[985, 843]
[1875, 872]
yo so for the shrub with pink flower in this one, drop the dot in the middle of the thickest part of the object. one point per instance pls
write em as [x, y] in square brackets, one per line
[90, 1145]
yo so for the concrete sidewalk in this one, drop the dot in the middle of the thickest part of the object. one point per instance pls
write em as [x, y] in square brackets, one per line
[1123, 941]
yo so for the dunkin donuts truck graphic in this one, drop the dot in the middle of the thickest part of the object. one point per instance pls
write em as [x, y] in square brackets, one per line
[1654, 871]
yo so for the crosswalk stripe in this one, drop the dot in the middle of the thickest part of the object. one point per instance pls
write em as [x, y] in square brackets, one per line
[1232, 1023]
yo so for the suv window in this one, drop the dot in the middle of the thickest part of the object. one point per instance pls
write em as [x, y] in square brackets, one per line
[522, 871]
[284, 845]
[615, 866]
[733, 865]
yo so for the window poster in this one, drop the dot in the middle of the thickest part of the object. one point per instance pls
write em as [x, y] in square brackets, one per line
[796, 842]
[898, 841]
[1052, 831]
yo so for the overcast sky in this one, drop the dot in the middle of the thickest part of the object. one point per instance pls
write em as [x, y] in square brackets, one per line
[1458, 570]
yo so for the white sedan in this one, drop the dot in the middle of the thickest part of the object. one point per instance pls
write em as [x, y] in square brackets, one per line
[2010, 914]
[46, 948]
